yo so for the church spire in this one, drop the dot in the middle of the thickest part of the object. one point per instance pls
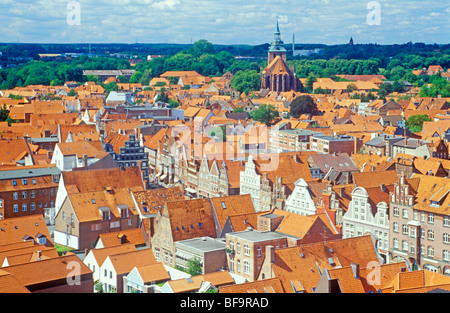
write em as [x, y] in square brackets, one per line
[277, 29]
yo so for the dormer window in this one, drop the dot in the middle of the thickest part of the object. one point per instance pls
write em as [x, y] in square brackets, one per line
[106, 213]
[24, 182]
[123, 211]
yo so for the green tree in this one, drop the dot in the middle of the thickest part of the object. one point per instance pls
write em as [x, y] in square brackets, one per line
[4, 113]
[247, 80]
[194, 267]
[303, 104]
[265, 114]
[310, 80]
[415, 122]
[201, 47]
[112, 86]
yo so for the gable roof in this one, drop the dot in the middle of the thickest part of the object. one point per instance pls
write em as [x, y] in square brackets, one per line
[133, 236]
[194, 283]
[231, 205]
[272, 285]
[303, 265]
[87, 205]
[153, 273]
[100, 254]
[190, 219]
[32, 274]
[151, 201]
[15, 229]
[124, 262]
[95, 180]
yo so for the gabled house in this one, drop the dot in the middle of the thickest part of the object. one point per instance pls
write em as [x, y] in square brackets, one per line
[84, 216]
[300, 268]
[95, 257]
[117, 266]
[195, 283]
[53, 275]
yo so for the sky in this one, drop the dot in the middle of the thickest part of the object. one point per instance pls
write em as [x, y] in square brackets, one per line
[224, 22]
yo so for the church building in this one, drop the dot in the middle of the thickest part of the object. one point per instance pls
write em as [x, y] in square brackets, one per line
[278, 76]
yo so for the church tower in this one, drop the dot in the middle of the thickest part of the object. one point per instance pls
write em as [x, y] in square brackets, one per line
[278, 76]
[276, 48]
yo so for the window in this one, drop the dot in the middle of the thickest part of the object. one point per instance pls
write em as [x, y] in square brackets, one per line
[16, 208]
[430, 251]
[446, 221]
[430, 234]
[396, 211]
[412, 232]
[404, 245]
[430, 218]
[33, 206]
[246, 267]
[446, 238]
[246, 250]
[405, 213]
[33, 194]
[412, 249]
[106, 273]
[24, 207]
[16, 196]
[446, 255]
[1, 203]
[24, 194]
[24, 182]
[415, 215]
[405, 229]
[259, 251]
[42, 240]
[14, 183]
[422, 217]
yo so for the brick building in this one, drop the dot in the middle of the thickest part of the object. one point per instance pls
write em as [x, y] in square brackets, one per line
[27, 191]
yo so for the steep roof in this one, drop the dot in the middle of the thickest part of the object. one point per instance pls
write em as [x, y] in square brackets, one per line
[100, 254]
[231, 205]
[15, 229]
[194, 283]
[124, 262]
[153, 272]
[94, 180]
[190, 219]
[151, 201]
[87, 204]
[133, 236]
[272, 285]
[303, 265]
[48, 270]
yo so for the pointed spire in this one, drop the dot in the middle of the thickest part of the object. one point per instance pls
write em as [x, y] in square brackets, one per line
[277, 29]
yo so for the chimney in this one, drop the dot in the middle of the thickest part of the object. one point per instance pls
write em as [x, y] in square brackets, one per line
[355, 269]
[85, 163]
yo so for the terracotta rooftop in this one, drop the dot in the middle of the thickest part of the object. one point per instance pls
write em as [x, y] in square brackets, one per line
[272, 285]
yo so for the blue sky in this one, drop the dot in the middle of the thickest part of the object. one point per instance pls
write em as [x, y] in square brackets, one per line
[224, 22]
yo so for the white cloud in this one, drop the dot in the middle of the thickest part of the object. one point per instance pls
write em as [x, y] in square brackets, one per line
[231, 21]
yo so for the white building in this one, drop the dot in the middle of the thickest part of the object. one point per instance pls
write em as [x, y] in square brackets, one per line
[117, 266]
[95, 258]
[250, 183]
[300, 200]
[362, 218]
